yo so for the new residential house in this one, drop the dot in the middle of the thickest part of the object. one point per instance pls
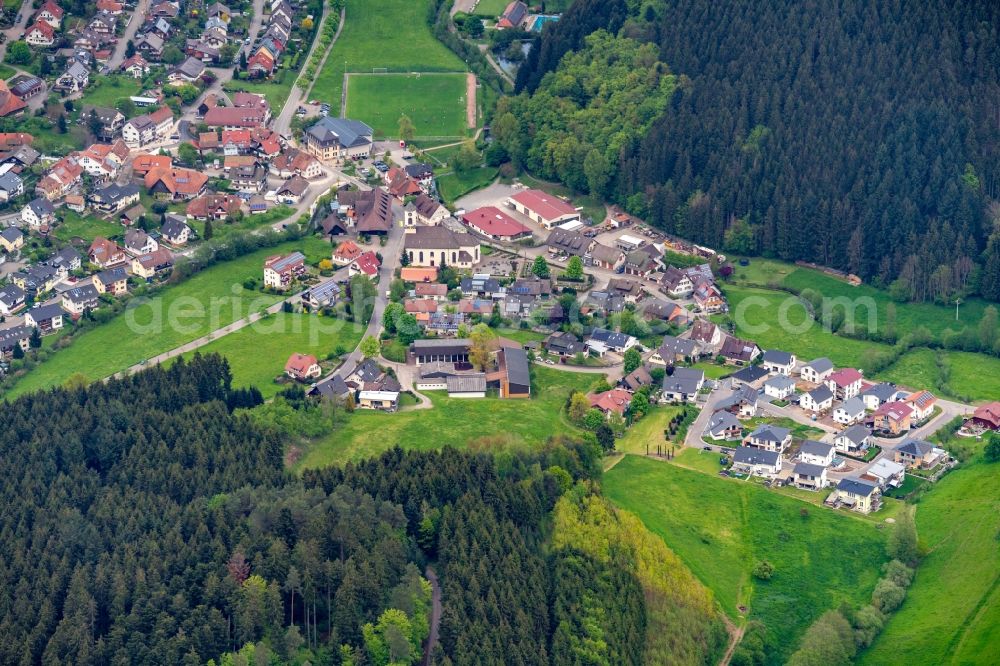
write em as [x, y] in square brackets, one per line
[817, 370]
[857, 495]
[879, 394]
[338, 139]
[853, 439]
[916, 453]
[808, 476]
[602, 340]
[673, 350]
[769, 438]
[757, 462]
[46, 318]
[723, 425]
[439, 246]
[78, 299]
[817, 453]
[845, 383]
[148, 128]
[820, 399]
[850, 411]
[682, 386]
[739, 352]
[778, 362]
[892, 417]
[779, 387]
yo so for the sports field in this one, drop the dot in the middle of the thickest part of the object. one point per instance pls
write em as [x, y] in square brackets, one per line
[434, 102]
[391, 34]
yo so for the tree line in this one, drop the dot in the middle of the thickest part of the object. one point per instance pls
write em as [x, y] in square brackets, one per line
[861, 136]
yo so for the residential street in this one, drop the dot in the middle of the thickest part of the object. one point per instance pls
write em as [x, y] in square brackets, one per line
[15, 31]
[134, 23]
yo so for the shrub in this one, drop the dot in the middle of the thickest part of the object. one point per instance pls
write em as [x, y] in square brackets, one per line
[763, 570]
[888, 596]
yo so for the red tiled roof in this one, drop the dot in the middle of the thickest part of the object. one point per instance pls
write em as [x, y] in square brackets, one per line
[990, 413]
[300, 363]
[549, 207]
[895, 410]
[145, 163]
[368, 263]
[494, 222]
[180, 181]
[616, 400]
[348, 251]
[844, 377]
[420, 305]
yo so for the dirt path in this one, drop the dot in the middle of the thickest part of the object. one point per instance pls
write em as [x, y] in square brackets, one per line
[435, 614]
[735, 636]
[343, 98]
[470, 100]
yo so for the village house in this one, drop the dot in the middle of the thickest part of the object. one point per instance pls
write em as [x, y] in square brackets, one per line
[79, 299]
[779, 387]
[175, 183]
[280, 271]
[439, 246]
[724, 426]
[11, 186]
[366, 264]
[676, 282]
[137, 67]
[818, 400]
[877, 395]
[849, 411]
[886, 473]
[387, 401]
[739, 352]
[708, 298]
[857, 495]
[854, 439]
[817, 370]
[112, 281]
[11, 239]
[742, 403]
[547, 210]
[65, 261]
[338, 139]
[602, 340]
[138, 242]
[674, 350]
[18, 336]
[602, 256]
[303, 367]
[809, 477]
[515, 15]
[175, 231]
[214, 207]
[291, 190]
[12, 299]
[769, 437]
[778, 362]
[346, 253]
[148, 128]
[669, 312]
[985, 417]
[682, 385]
[816, 453]
[38, 212]
[571, 243]
[636, 379]
[63, 176]
[892, 417]
[845, 383]
[564, 344]
[114, 197]
[916, 453]
[46, 318]
[424, 210]
[757, 462]
[104, 253]
[35, 280]
[40, 34]
[706, 334]
[922, 403]
[751, 375]
[73, 80]
[615, 401]
[50, 13]
[323, 295]
[111, 122]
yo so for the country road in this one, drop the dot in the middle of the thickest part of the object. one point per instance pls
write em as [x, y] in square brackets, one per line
[136, 20]
[295, 97]
[432, 637]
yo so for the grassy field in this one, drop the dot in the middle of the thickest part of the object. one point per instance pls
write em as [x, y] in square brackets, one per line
[456, 421]
[87, 227]
[434, 102]
[647, 431]
[274, 91]
[936, 318]
[713, 370]
[391, 33]
[758, 311]
[109, 90]
[257, 353]
[952, 612]
[491, 8]
[975, 376]
[799, 430]
[451, 186]
[207, 301]
[721, 528]
[6, 71]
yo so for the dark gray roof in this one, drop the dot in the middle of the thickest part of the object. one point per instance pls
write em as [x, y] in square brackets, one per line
[746, 394]
[751, 373]
[440, 344]
[331, 388]
[516, 361]
[916, 447]
[751, 455]
[852, 405]
[684, 380]
[673, 346]
[821, 393]
[112, 275]
[11, 234]
[723, 420]
[11, 294]
[808, 469]
[883, 391]
[777, 357]
[780, 381]
[856, 433]
[42, 312]
[569, 241]
[821, 364]
[437, 238]
[814, 448]
[609, 338]
[770, 433]
[42, 207]
[10, 181]
[9, 335]
[368, 371]
[173, 227]
[82, 294]
[346, 132]
[856, 487]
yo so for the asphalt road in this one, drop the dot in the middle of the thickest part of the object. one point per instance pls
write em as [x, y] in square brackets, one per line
[134, 22]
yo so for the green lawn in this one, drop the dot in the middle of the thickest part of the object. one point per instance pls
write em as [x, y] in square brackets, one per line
[769, 272]
[276, 92]
[713, 370]
[491, 8]
[87, 227]
[393, 34]
[207, 301]
[434, 102]
[700, 460]
[109, 90]
[647, 431]
[799, 430]
[952, 612]
[6, 71]
[451, 186]
[757, 313]
[520, 335]
[975, 376]
[456, 421]
[721, 528]
[257, 353]
[915, 368]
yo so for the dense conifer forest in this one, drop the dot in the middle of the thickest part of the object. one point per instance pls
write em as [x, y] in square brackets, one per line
[859, 135]
[150, 520]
